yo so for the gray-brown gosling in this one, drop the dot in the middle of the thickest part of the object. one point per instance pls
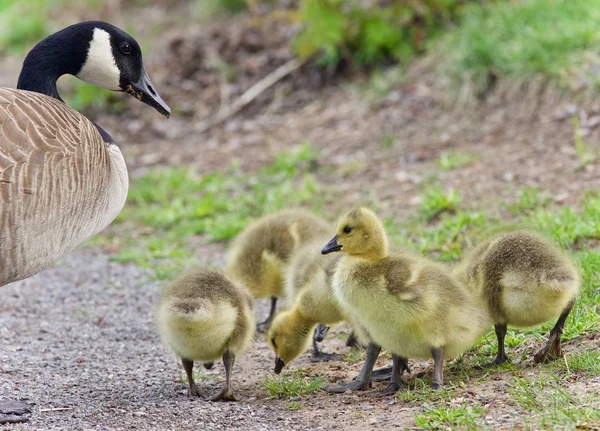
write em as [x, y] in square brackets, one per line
[525, 281]
[204, 316]
[406, 303]
[308, 290]
[260, 254]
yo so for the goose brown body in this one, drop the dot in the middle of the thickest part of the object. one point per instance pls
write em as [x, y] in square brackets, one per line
[60, 183]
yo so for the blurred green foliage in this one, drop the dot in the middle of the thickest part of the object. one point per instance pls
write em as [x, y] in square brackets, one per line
[369, 32]
[521, 39]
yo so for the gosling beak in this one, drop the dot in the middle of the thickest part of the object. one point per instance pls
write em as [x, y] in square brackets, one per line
[279, 364]
[143, 90]
[331, 246]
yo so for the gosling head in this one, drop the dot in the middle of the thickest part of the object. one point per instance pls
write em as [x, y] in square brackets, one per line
[359, 233]
[287, 339]
[95, 52]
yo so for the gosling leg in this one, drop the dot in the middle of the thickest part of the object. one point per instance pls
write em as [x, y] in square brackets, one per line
[438, 368]
[352, 340]
[318, 355]
[501, 353]
[553, 349]
[208, 365]
[226, 394]
[188, 366]
[363, 380]
[263, 326]
[400, 364]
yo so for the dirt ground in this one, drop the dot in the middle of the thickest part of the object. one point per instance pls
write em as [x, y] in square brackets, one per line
[79, 340]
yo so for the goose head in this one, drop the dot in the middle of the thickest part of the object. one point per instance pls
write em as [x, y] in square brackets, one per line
[95, 52]
[359, 233]
[288, 337]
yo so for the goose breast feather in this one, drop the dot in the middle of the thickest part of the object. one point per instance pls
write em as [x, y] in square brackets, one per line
[60, 183]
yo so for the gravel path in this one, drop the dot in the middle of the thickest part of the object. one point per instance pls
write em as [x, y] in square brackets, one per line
[79, 341]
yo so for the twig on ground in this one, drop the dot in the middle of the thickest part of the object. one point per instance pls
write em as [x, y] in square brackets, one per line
[250, 94]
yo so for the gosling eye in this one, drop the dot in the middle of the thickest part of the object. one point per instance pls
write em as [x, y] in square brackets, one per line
[347, 229]
[273, 342]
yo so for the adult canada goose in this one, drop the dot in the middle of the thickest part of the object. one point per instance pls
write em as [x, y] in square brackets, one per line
[62, 177]
[204, 316]
[405, 302]
[260, 254]
[525, 281]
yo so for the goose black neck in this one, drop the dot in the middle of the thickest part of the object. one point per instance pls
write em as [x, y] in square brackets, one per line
[59, 54]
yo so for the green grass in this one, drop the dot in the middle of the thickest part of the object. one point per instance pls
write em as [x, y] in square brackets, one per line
[468, 417]
[529, 200]
[435, 201]
[549, 402]
[586, 362]
[549, 38]
[455, 160]
[293, 405]
[168, 209]
[81, 96]
[288, 386]
[24, 23]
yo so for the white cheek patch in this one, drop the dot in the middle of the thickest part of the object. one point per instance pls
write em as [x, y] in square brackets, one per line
[100, 67]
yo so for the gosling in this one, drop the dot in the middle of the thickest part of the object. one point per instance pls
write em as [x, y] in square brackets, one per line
[204, 316]
[406, 303]
[525, 281]
[308, 289]
[259, 256]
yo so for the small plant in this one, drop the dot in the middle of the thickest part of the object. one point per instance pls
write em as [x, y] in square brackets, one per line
[585, 154]
[455, 160]
[293, 405]
[464, 417]
[529, 200]
[435, 201]
[586, 362]
[288, 386]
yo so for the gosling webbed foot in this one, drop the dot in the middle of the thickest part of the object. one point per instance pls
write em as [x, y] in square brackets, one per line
[495, 363]
[208, 365]
[382, 374]
[194, 391]
[226, 394]
[391, 389]
[263, 327]
[355, 385]
[437, 387]
[12, 411]
[551, 351]
[319, 356]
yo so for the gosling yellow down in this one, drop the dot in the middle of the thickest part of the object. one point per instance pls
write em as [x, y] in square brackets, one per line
[524, 281]
[308, 289]
[258, 257]
[204, 316]
[406, 303]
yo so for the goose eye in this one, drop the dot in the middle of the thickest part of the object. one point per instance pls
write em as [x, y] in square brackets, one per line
[125, 48]
[347, 229]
